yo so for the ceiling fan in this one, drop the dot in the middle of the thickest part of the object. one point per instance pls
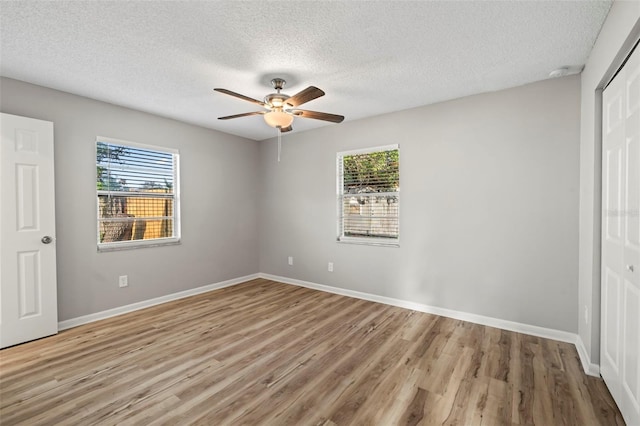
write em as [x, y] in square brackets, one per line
[280, 109]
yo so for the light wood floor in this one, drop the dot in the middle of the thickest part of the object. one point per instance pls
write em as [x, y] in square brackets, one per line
[274, 354]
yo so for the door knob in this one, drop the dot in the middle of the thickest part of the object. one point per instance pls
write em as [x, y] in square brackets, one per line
[46, 239]
[630, 267]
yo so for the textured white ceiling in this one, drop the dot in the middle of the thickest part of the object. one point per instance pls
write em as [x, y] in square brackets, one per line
[370, 57]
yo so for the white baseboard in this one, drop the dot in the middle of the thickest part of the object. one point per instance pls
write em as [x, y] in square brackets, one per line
[74, 322]
[533, 330]
[589, 368]
[548, 333]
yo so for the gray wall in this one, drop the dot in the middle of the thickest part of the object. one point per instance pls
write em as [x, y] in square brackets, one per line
[488, 210]
[218, 202]
[617, 36]
[489, 204]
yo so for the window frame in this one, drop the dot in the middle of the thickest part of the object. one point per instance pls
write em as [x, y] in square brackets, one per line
[155, 242]
[372, 241]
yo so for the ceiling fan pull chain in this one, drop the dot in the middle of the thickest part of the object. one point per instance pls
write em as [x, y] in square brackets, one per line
[279, 130]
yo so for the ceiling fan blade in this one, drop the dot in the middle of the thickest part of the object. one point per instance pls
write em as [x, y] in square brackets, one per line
[246, 114]
[238, 95]
[334, 118]
[308, 94]
[286, 129]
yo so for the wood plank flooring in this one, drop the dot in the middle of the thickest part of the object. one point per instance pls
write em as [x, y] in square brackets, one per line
[266, 353]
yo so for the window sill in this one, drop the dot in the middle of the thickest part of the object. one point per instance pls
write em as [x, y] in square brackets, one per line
[130, 245]
[381, 242]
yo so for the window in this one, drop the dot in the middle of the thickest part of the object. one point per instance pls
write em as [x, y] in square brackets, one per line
[137, 195]
[369, 196]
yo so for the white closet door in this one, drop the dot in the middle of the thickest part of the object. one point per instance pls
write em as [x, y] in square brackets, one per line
[28, 292]
[620, 328]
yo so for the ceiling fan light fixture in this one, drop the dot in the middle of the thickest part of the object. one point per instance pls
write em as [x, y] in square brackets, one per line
[278, 119]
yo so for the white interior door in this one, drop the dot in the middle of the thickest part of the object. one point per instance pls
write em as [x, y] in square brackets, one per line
[620, 328]
[28, 293]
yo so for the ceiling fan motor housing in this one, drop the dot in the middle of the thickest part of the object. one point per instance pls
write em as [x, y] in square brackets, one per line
[276, 100]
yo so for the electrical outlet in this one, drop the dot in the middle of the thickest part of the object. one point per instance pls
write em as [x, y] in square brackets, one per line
[330, 267]
[290, 260]
[123, 281]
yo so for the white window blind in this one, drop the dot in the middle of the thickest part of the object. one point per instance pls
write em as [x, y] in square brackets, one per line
[137, 194]
[369, 196]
